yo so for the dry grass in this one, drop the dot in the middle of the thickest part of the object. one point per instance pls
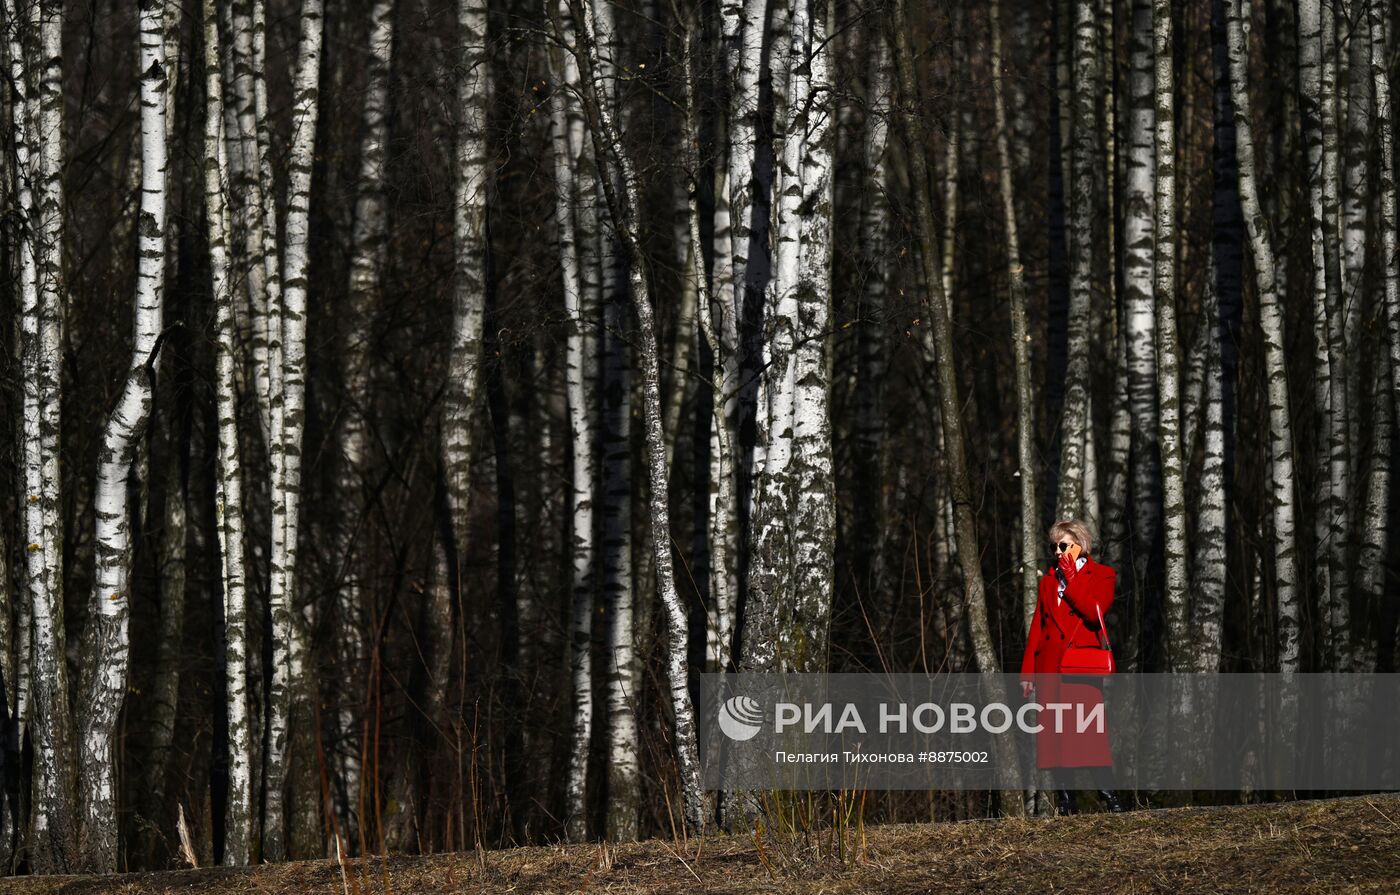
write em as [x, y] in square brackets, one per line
[1339, 845]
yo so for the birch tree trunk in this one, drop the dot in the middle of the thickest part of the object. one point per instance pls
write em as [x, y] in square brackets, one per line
[165, 689]
[1271, 321]
[1108, 185]
[1315, 71]
[11, 599]
[768, 587]
[791, 575]
[369, 242]
[744, 30]
[263, 220]
[248, 182]
[620, 581]
[469, 230]
[1020, 338]
[53, 841]
[289, 688]
[721, 529]
[1139, 318]
[239, 824]
[1375, 534]
[106, 686]
[1209, 535]
[814, 540]
[1356, 203]
[623, 205]
[22, 109]
[580, 374]
[723, 525]
[1334, 459]
[1076, 423]
[1168, 345]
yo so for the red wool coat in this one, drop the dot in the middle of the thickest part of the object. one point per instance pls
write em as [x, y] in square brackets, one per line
[1053, 629]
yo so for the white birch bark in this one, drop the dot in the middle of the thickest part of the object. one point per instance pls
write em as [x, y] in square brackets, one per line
[723, 527]
[1334, 457]
[620, 580]
[624, 204]
[766, 644]
[1208, 534]
[744, 31]
[271, 385]
[369, 244]
[1139, 319]
[469, 240]
[1358, 189]
[258, 230]
[20, 111]
[622, 672]
[1177, 570]
[10, 239]
[1090, 508]
[950, 188]
[578, 379]
[1315, 89]
[1075, 422]
[1116, 449]
[1374, 531]
[238, 825]
[1281, 498]
[111, 601]
[54, 830]
[1108, 52]
[289, 647]
[814, 538]
[722, 524]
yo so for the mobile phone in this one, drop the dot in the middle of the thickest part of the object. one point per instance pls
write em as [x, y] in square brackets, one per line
[1074, 552]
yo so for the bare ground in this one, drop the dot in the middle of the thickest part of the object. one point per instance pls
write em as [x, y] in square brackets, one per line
[1339, 845]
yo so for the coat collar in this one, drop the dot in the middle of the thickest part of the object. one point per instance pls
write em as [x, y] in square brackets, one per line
[1089, 567]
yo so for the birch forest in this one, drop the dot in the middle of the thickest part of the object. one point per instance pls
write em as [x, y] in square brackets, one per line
[402, 401]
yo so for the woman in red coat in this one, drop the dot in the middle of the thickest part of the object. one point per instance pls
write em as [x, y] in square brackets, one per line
[1074, 595]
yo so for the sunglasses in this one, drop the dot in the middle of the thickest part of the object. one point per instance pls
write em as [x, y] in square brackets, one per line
[1062, 546]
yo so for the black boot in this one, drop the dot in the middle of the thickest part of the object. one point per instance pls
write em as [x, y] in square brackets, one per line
[1064, 802]
[1110, 801]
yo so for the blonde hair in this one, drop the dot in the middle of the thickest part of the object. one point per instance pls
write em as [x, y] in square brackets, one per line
[1075, 529]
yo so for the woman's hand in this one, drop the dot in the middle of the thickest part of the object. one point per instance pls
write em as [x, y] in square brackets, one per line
[1067, 567]
[1027, 688]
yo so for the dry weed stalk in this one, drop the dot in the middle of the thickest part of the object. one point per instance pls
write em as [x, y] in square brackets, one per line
[187, 852]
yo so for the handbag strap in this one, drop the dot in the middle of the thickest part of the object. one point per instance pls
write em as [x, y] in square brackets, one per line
[1103, 629]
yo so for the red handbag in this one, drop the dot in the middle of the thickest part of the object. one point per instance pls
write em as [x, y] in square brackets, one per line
[1089, 660]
